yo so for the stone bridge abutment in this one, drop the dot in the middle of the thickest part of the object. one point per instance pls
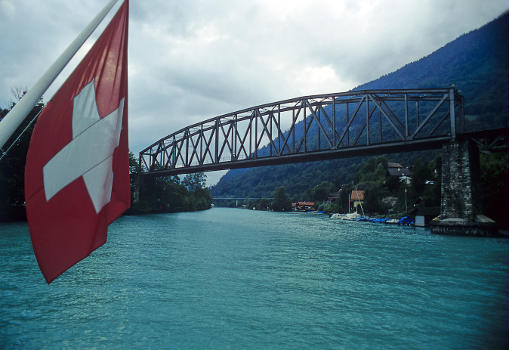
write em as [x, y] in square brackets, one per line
[461, 211]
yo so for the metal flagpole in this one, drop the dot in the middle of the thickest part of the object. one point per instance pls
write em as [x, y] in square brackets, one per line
[15, 117]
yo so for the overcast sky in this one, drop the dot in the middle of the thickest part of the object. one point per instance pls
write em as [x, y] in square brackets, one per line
[190, 60]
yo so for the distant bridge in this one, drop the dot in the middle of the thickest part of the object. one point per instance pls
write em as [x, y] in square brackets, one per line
[239, 198]
[337, 125]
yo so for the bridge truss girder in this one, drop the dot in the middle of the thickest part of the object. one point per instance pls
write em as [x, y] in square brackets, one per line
[331, 126]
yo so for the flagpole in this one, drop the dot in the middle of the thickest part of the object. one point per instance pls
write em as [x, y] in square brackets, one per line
[15, 117]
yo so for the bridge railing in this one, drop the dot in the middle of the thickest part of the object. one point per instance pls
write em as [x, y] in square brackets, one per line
[310, 127]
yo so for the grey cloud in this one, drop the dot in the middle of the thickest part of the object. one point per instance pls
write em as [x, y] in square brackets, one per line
[192, 60]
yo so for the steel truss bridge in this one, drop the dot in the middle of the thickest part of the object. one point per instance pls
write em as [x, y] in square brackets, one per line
[311, 128]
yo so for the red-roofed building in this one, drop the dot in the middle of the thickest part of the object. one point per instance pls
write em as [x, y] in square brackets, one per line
[357, 195]
[303, 206]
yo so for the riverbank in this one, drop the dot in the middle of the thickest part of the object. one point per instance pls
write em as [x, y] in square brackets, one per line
[18, 214]
[10, 214]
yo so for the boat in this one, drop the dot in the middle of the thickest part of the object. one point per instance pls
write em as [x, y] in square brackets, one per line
[351, 216]
[337, 216]
[405, 220]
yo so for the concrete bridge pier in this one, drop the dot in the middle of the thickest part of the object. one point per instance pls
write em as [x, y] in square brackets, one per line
[460, 207]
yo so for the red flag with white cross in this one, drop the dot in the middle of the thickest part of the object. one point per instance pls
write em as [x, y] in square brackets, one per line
[77, 169]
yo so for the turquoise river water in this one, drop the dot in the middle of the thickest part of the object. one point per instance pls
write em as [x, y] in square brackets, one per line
[233, 278]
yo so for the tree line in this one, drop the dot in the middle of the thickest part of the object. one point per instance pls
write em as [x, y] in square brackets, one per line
[387, 195]
[163, 194]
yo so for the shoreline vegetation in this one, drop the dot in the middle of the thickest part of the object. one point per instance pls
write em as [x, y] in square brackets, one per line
[151, 194]
[393, 197]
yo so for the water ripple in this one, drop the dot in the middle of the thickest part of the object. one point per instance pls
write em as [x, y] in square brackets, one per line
[227, 278]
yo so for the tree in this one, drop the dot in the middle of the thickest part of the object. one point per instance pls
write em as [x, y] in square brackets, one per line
[134, 171]
[373, 199]
[373, 170]
[262, 204]
[12, 166]
[422, 172]
[167, 194]
[192, 182]
[343, 198]
[321, 191]
[495, 186]
[281, 202]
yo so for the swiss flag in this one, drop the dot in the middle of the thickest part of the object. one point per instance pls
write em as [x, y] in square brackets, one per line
[77, 168]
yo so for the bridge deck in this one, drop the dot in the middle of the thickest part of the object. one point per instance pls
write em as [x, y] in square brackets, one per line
[310, 128]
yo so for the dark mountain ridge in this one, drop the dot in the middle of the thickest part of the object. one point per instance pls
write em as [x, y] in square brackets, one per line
[477, 63]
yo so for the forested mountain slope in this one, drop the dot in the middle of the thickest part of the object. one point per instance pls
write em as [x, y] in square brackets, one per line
[477, 63]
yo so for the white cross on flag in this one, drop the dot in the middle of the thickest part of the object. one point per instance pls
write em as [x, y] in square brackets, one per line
[77, 169]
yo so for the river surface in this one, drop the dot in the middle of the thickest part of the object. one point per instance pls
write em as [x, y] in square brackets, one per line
[232, 278]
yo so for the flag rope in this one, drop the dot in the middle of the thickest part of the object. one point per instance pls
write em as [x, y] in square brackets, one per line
[3, 153]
